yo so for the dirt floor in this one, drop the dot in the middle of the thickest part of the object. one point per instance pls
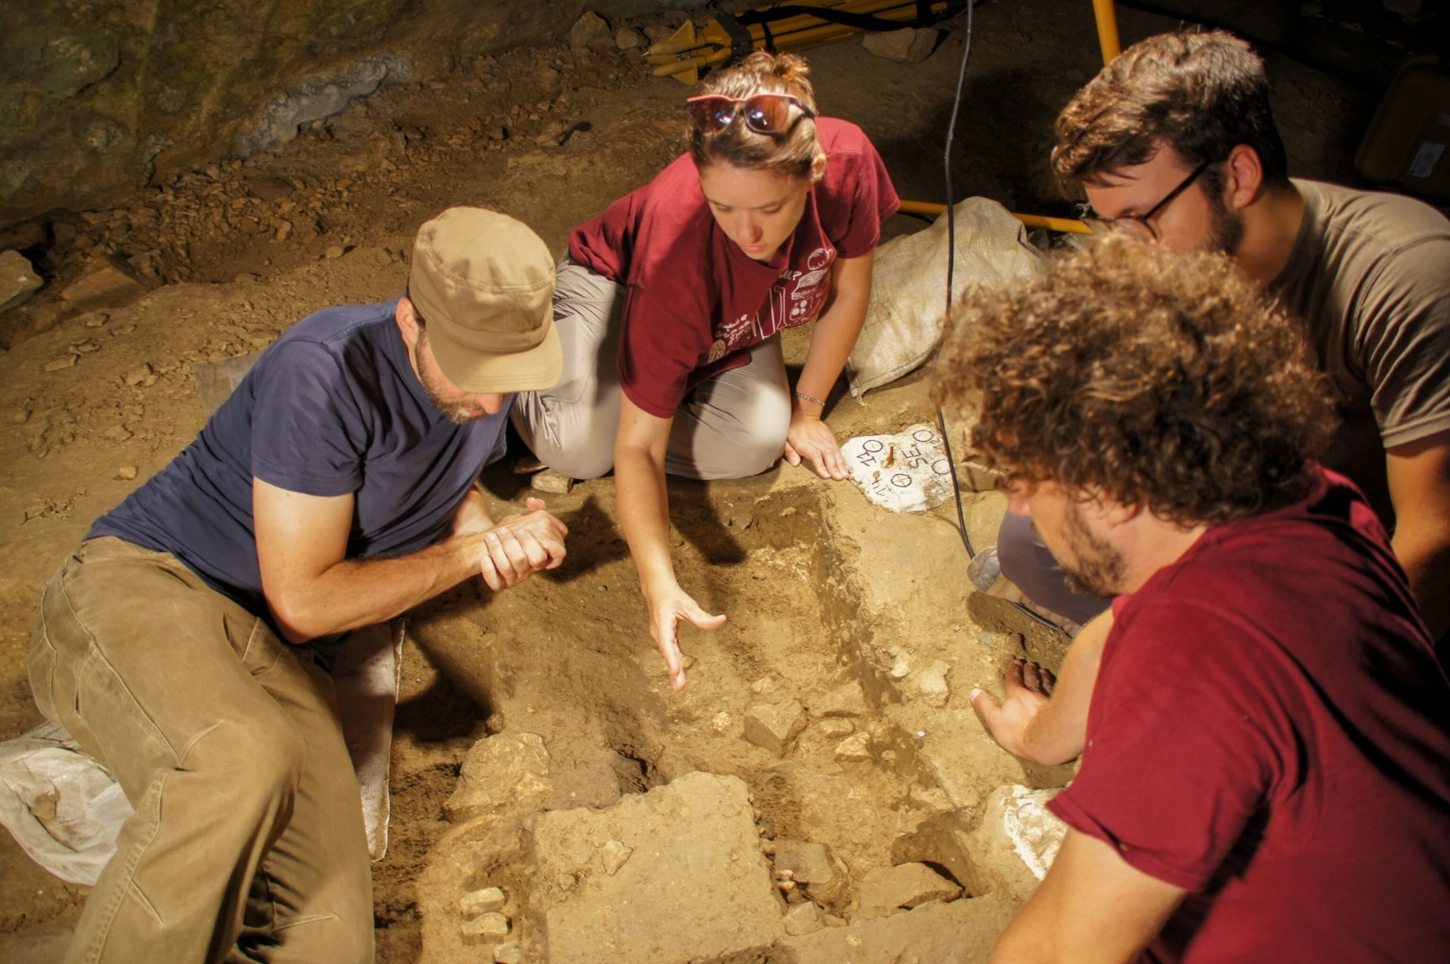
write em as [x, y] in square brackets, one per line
[821, 587]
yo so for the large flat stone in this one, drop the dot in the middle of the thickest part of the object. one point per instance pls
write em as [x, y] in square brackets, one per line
[694, 887]
[961, 932]
[888, 889]
[106, 283]
[18, 280]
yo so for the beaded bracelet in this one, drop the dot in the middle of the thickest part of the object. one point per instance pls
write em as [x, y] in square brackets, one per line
[809, 398]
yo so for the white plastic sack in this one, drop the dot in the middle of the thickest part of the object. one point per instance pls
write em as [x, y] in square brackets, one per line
[905, 318]
[59, 804]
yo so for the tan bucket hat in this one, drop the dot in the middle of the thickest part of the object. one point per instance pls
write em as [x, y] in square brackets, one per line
[484, 286]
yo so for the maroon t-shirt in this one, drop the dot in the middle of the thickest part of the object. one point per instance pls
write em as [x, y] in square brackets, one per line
[1270, 731]
[695, 302]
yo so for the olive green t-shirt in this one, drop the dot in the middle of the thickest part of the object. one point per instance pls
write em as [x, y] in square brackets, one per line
[1369, 277]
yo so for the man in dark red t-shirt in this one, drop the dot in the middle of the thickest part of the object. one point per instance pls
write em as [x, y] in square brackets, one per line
[1267, 769]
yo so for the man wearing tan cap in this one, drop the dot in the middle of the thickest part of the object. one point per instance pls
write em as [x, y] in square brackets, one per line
[332, 491]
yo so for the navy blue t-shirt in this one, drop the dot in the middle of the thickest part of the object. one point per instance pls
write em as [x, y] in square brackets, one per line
[332, 407]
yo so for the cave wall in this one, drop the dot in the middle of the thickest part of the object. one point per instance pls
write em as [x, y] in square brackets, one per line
[98, 97]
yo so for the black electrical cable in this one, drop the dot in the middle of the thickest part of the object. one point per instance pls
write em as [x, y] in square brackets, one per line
[947, 320]
[951, 264]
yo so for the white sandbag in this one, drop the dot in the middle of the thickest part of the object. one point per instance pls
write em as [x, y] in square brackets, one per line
[366, 674]
[59, 804]
[905, 318]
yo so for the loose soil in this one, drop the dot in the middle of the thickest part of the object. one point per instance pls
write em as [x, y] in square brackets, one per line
[234, 254]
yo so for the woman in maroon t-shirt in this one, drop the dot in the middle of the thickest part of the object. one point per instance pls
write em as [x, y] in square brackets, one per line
[670, 303]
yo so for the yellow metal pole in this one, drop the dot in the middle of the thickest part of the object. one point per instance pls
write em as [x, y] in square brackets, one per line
[1065, 225]
[1107, 17]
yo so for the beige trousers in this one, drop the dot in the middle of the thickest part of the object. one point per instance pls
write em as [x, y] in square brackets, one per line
[247, 843]
[730, 427]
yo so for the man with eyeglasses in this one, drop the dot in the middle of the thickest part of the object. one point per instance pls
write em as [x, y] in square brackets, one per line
[1175, 142]
[333, 490]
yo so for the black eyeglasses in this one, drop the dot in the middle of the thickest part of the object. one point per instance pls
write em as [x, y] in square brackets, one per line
[1141, 225]
[763, 113]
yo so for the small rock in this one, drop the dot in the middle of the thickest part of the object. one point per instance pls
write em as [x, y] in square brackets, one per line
[105, 282]
[126, 473]
[614, 855]
[333, 251]
[485, 901]
[834, 728]
[141, 377]
[485, 929]
[934, 798]
[548, 78]
[283, 231]
[857, 748]
[509, 953]
[551, 481]
[21, 417]
[901, 668]
[501, 772]
[910, 46]
[18, 280]
[721, 722]
[64, 361]
[847, 700]
[626, 38]
[886, 890]
[804, 860]
[932, 685]
[95, 319]
[588, 30]
[773, 725]
[803, 919]
[117, 433]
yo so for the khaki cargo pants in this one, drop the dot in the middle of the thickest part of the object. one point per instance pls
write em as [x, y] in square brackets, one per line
[247, 843]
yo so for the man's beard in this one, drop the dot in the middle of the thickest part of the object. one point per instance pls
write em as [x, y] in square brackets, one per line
[1226, 229]
[459, 413]
[1097, 568]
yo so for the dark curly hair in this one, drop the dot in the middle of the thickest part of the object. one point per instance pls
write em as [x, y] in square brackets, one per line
[1201, 93]
[1158, 379]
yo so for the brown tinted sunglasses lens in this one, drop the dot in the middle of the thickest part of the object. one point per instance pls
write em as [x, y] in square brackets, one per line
[764, 113]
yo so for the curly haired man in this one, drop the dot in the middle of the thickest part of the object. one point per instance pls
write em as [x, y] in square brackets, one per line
[1264, 775]
[1175, 142]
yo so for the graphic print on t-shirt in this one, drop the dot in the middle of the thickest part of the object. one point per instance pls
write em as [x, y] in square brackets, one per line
[794, 299]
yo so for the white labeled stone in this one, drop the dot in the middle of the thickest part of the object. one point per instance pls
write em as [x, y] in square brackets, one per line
[845, 700]
[18, 280]
[803, 919]
[904, 473]
[772, 726]
[857, 748]
[501, 772]
[889, 889]
[614, 855]
[931, 684]
[485, 929]
[484, 901]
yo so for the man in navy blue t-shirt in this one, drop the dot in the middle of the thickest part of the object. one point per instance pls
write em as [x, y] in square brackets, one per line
[334, 490]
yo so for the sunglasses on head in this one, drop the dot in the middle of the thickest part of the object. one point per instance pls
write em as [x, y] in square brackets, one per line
[762, 113]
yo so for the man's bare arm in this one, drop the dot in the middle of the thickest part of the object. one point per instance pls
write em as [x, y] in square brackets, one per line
[1048, 729]
[1419, 478]
[1092, 908]
[313, 590]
